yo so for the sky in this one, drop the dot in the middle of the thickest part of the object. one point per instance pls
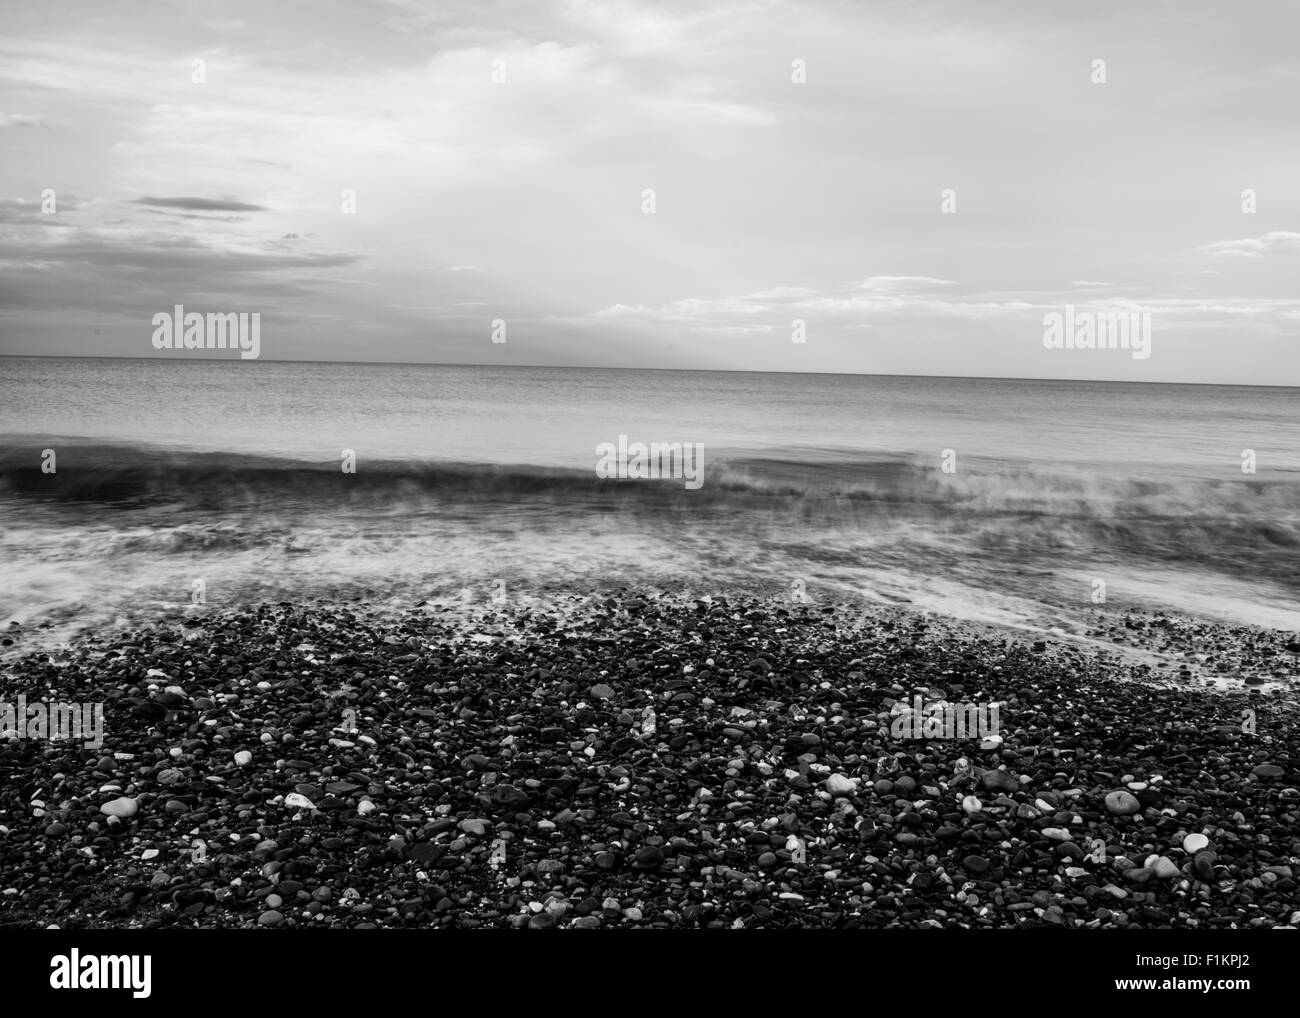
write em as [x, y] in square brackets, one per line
[660, 185]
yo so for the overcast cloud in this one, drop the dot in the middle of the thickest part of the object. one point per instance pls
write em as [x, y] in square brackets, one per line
[522, 200]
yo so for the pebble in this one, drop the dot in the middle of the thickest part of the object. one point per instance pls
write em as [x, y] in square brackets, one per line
[1194, 843]
[1122, 803]
[1000, 781]
[839, 784]
[120, 808]
[686, 825]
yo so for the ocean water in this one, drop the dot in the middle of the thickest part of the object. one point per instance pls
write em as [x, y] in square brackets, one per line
[1003, 500]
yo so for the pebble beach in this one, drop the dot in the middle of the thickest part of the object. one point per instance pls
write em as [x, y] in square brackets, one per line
[635, 760]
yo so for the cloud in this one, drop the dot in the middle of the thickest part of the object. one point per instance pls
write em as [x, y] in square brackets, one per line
[902, 284]
[22, 120]
[889, 300]
[1255, 247]
[462, 268]
[883, 296]
[24, 212]
[200, 204]
[1090, 283]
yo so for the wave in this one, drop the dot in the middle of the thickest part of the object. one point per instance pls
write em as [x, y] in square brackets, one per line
[147, 518]
[129, 476]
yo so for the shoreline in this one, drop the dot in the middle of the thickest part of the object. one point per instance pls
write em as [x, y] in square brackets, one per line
[762, 794]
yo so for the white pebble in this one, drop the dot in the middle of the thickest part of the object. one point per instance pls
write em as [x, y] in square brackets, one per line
[840, 784]
[1194, 843]
[123, 807]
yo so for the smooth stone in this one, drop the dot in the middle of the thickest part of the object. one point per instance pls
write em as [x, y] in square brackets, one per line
[270, 918]
[971, 805]
[1268, 771]
[602, 692]
[839, 784]
[296, 800]
[1166, 869]
[649, 858]
[243, 758]
[975, 863]
[1122, 803]
[120, 808]
[1000, 781]
[1194, 843]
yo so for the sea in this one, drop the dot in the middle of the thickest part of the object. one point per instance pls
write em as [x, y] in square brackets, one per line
[134, 487]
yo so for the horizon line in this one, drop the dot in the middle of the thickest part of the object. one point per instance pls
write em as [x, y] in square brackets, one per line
[590, 367]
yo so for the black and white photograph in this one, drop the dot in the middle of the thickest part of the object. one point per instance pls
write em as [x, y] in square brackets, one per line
[649, 465]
